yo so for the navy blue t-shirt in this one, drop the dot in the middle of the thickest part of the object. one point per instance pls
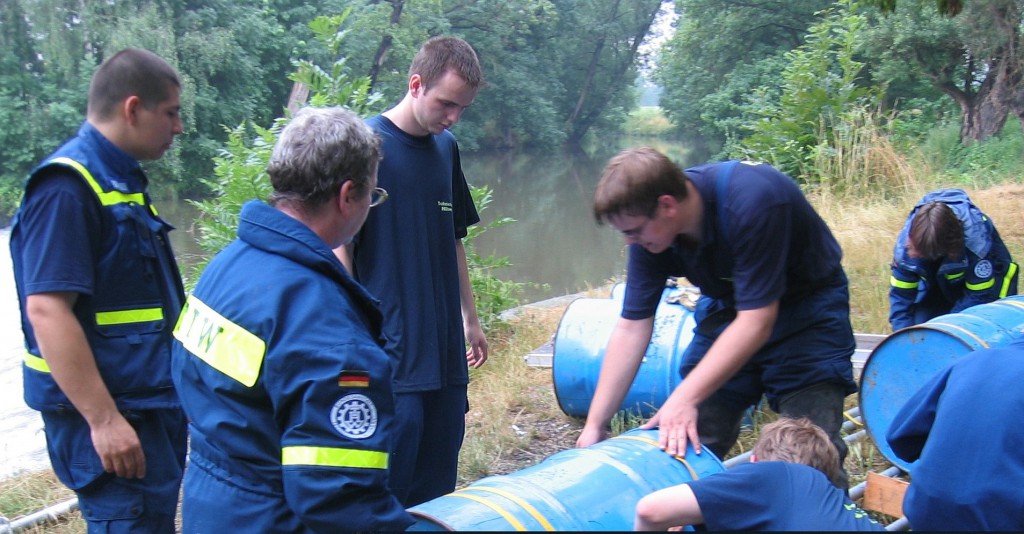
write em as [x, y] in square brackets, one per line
[777, 496]
[59, 229]
[405, 255]
[776, 246]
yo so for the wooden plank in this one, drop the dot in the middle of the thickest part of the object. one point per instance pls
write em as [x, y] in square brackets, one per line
[884, 494]
[541, 356]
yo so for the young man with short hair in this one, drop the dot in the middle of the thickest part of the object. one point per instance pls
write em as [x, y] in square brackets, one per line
[410, 255]
[99, 291]
[773, 318]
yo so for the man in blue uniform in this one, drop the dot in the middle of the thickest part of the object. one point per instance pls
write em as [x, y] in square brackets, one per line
[773, 318]
[959, 431]
[278, 353]
[99, 290]
[410, 256]
[948, 257]
[785, 486]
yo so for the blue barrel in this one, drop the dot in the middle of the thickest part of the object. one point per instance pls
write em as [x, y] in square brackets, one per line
[905, 360]
[590, 489]
[580, 343]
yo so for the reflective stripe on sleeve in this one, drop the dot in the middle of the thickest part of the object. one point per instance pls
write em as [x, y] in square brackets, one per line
[982, 286]
[1008, 279]
[900, 284]
[222, 344]
[334, 457]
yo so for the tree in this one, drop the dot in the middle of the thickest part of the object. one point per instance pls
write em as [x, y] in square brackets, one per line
[722, 50]
[604, 65]
[516, 44]
[972, 58]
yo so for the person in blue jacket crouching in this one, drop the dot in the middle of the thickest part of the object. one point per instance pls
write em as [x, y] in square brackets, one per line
[948, 257]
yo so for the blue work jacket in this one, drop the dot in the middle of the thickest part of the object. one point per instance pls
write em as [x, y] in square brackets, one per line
[984, 272]
[279, 364]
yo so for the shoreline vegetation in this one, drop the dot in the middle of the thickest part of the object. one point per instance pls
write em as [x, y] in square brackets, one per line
[864, 193]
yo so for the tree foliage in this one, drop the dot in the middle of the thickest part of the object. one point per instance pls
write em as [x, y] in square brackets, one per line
[720, 52]
[971, 58]
[821, 83]
[557, 70]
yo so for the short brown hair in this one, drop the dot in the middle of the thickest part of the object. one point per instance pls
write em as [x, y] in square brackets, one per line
[936, 232]
[441, 54]
[633, 181]
[130, 72]
[799, 441]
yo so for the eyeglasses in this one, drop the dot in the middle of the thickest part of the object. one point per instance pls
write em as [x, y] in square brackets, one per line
[378, 196]
[634, 233]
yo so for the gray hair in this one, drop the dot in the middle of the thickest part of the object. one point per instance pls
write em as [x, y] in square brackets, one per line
[319, 150]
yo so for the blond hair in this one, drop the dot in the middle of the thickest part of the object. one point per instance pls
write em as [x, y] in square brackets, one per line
[799, 441]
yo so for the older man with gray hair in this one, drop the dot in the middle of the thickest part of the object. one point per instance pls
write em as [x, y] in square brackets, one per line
[278, 356]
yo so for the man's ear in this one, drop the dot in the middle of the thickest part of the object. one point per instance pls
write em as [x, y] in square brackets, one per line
[668, 204]
[416, 85]
[128, 108]
[347, 195]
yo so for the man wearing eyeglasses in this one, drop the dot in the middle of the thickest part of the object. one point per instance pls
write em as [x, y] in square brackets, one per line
[410, 256]
[278, 355]
[773, 318]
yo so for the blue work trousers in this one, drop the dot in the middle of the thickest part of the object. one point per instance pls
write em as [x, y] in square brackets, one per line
[430, 426]
[111, 504]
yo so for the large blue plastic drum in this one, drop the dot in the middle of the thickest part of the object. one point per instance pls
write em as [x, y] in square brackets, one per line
[905, 360]
[590, 489]
[579, 349]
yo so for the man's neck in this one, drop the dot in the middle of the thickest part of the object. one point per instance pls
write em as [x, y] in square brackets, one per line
[402, 117]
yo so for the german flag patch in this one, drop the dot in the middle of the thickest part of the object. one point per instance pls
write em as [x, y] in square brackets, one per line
[354, 379]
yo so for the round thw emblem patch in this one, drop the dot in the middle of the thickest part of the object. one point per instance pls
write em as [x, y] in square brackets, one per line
[354, 416]
[983, 269]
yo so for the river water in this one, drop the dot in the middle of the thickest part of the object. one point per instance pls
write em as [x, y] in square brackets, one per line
[22, 445]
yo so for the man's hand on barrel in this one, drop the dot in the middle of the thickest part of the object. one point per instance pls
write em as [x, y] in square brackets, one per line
[676, 422]
[592, 434]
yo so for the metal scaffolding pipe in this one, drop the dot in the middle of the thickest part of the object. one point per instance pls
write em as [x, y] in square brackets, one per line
[50, 513]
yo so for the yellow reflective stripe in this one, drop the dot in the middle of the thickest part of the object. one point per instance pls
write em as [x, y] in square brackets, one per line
[954, 276]
[35, 362]
[900, 284]
[224, 345]
[129, 316]
[334, 457]
[521, 502]
[984, 285]
[107, 198]
[693, 473]
[508, 517]
[1010, 273]
[963, 331]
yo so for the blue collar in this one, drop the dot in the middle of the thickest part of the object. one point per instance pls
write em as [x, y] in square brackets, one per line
[123, 165]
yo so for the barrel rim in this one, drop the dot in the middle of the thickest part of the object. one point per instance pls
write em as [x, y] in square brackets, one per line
[431, 518]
